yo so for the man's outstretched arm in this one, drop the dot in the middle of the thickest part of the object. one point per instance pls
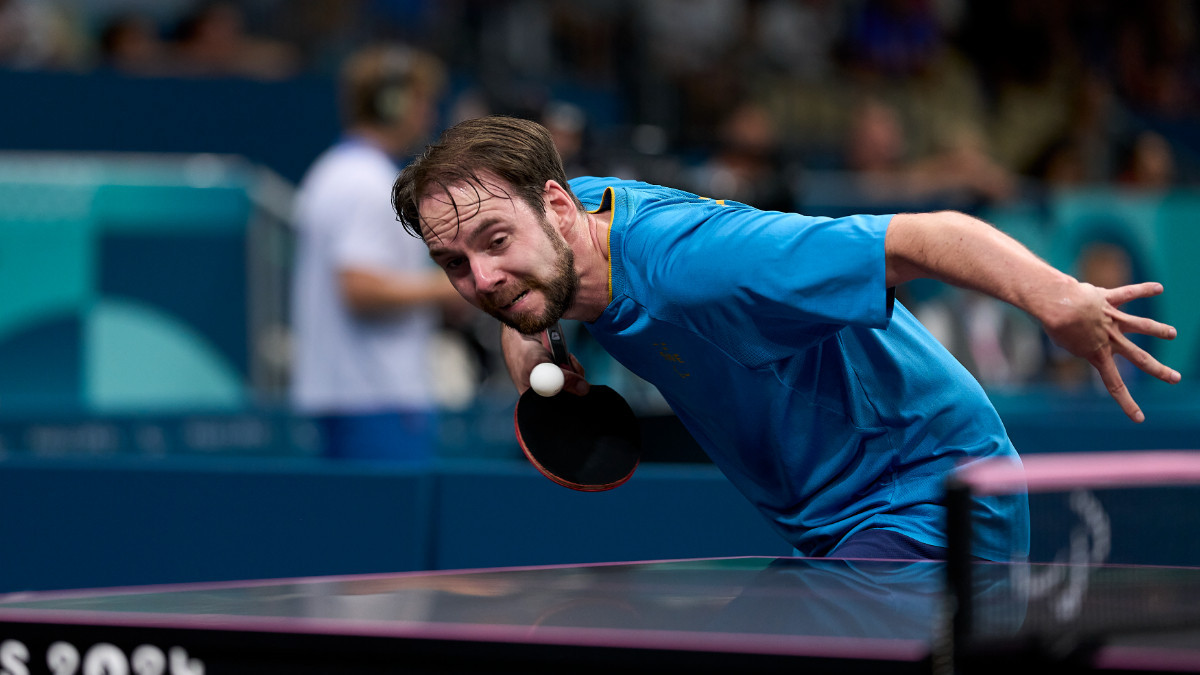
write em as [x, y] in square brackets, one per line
[1083, 319]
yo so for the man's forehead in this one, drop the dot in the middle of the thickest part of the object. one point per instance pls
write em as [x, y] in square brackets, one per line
[445, 209]
[439, 199]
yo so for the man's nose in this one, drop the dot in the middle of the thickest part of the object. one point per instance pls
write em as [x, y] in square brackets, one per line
[487, 273]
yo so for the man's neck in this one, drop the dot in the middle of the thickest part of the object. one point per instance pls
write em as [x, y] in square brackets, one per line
[591, 247]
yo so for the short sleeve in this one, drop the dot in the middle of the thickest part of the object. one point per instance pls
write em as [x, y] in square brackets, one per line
[742, 264]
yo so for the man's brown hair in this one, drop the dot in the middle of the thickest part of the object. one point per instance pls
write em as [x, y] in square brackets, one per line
[519, 152]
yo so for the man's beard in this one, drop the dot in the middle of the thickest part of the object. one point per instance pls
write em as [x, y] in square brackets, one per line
[559, 291]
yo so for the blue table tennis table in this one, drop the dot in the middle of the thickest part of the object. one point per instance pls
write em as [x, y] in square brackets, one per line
[743, 615]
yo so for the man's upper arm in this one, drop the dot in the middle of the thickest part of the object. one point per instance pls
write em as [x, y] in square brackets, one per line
[776, 266]
[903, 246]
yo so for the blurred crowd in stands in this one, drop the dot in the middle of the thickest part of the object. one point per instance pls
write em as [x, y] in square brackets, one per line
[827, 107]
[945, 99]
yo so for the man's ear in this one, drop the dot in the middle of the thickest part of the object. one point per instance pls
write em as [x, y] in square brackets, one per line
[560, 207]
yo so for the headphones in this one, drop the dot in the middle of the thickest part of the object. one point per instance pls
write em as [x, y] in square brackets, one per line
[392, 96]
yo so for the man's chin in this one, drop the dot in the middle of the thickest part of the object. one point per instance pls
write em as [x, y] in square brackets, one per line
[526, 325]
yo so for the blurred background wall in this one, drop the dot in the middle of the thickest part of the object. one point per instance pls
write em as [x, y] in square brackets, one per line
[149, 150]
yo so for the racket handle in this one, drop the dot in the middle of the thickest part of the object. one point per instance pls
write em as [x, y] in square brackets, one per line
[558, 345]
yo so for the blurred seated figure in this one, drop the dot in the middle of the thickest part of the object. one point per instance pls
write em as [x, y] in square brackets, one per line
[876, 152]
[567, 123]
[130, 44]
[38, 34]
[213, 41]
[1149, 163]
[747, 164]
[1082, 153]
[878, 175]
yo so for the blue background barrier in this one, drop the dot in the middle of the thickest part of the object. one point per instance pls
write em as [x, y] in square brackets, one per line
[283, 125]
[118, 522]
[126, 521]
[75, 523]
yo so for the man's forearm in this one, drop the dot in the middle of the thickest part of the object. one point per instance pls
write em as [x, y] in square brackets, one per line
[966, 252]
[1081, 318]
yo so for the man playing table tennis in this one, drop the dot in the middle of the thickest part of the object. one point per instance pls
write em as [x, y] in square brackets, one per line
[775, 337]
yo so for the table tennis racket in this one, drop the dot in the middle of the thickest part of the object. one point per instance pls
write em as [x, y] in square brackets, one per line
[589, 443]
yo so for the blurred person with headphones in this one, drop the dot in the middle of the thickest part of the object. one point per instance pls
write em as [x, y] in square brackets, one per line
[366, 299]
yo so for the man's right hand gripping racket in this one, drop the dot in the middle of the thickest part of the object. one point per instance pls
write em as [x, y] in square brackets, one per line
[589, 443]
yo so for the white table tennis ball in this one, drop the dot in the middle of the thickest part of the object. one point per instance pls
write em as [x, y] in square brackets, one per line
[546, 379]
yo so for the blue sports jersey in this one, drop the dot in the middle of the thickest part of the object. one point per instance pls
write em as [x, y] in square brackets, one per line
[775, 340]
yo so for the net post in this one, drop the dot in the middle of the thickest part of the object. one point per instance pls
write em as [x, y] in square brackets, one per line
[958, 564]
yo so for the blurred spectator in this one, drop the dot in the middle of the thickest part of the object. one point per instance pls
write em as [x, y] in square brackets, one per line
[38, 34]
[521, 40]
[960, 173]
[593, 40]
[798, 38]
[567, 124]
[748, 164]
[130, 43]
[693, 63]
[1155, 53]
[1029, 87]
[1148, 164]
[1083, 152]
[691, 36]
[365, 294]
[1063, 164]
[875, 143]
[213, 41]
[325, 32]
[1105, 264]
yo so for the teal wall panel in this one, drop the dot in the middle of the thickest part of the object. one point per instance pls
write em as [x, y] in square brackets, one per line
[149, 208]
[147, 258]
[140, 358]
[46, 267]
[196, 278]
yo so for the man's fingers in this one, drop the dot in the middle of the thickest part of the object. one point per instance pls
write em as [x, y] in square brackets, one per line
[1107, 368]
[1123, 294]
[1129, 323]
[1142, 359]
[576, 385]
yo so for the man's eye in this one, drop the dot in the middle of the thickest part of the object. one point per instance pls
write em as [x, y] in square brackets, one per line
[499, 241]
[452, 264]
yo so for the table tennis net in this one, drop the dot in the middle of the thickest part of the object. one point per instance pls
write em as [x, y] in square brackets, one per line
[1111, 551]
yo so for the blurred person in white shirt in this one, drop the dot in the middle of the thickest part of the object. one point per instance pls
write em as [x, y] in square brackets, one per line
[367, 300]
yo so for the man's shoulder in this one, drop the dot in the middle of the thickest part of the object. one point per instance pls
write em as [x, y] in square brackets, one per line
[590, 189]
[637, 202]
